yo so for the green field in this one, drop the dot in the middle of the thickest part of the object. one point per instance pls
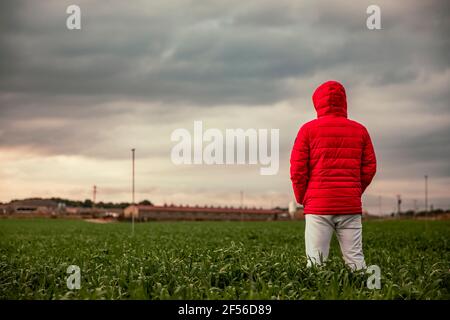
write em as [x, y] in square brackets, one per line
[215, 260]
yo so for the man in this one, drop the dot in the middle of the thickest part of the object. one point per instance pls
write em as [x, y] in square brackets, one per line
[332, 163]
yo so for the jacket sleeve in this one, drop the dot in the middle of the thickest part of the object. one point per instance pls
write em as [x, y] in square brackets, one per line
[368, 161]
[300, 164]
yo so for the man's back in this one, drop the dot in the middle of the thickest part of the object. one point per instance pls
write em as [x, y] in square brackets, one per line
[332, 161]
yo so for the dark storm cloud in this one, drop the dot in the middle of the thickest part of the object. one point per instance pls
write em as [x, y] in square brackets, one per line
[204, 57]
[214, 53]
[418, 153]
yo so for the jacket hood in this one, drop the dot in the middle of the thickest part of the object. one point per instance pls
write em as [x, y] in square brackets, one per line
[330, 99]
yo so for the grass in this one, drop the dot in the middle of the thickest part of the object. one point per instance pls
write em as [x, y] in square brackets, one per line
[215, 260]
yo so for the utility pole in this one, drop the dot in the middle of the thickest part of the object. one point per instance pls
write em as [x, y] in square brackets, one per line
[379, 205]
[94, 194]
[242, 205]
[399, 203]
[132, 192]
[426, 193]
[415, 206]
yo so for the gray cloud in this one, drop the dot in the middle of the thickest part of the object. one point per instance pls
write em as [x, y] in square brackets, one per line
[208, 57]
[137, 70]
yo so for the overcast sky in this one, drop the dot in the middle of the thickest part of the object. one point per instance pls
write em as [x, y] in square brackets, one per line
[74, 102]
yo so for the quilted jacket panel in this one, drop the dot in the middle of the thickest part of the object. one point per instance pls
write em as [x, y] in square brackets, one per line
[333, 159]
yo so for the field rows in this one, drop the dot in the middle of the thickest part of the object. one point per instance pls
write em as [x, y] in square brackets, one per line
[215, 260]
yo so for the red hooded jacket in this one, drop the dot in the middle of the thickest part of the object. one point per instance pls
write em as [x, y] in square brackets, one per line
[332, 161]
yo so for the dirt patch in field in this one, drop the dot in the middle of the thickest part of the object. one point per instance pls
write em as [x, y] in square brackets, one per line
[101, 221]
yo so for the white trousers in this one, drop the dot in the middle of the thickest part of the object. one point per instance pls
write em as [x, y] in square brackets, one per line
[319, 230]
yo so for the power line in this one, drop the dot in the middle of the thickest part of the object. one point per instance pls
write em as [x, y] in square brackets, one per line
[426, 193]
[242, 204]
[379, 205]
[399, 203]
[94, 195]
[132, 191]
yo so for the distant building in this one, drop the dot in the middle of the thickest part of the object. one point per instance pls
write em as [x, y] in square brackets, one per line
[33, 206]
[296, 212]
[79, 211]
[146, 213]
[93, 212]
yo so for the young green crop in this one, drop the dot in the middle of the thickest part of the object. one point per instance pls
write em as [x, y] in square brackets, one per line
[215, 260]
